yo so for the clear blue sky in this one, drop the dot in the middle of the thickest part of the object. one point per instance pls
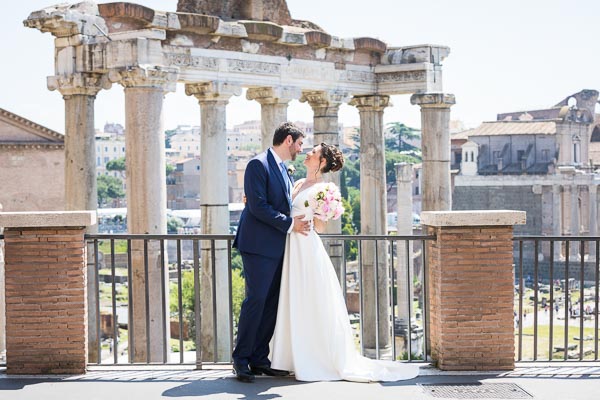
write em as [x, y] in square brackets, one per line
[505, 55]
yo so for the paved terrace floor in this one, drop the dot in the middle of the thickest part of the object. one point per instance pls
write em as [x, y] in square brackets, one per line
[548, 382]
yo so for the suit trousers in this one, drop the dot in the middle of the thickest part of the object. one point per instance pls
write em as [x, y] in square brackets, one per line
[259, 309]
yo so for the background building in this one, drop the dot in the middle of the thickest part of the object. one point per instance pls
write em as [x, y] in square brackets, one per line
[32, 160]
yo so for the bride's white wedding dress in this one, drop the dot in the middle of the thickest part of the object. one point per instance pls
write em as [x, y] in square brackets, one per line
[313, 337]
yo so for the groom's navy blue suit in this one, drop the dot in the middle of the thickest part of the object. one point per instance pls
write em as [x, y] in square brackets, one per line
[260, 238]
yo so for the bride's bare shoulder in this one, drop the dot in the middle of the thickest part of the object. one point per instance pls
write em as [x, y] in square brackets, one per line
[299, 183]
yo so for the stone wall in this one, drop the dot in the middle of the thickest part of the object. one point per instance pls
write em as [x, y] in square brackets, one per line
[32, 179]
[520, 198]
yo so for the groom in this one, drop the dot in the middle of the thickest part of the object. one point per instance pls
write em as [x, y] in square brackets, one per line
[261, 235]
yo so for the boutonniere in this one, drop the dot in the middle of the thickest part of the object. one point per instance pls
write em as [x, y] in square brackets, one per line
[291, 169]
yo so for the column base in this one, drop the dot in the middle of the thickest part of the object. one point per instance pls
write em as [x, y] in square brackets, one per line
[385, 353]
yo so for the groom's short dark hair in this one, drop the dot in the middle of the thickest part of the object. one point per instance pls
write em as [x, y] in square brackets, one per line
[284, 130]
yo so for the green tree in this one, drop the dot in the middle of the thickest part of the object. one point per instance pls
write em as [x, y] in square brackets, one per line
[298, 164]
[238, 292]
[351, 174]
[350, 246]
[117, 164]
[169, 169]
[173, 224]
[354, 200]
[109, 187]
[398, 135]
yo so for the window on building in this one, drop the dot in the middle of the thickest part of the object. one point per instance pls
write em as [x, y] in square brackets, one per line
[520, 155]
[106, 149]
[106, 159]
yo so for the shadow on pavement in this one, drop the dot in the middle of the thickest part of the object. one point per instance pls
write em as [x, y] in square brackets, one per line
[249, 391]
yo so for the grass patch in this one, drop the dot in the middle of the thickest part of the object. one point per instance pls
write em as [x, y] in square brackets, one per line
[558, 340]
[120, 246]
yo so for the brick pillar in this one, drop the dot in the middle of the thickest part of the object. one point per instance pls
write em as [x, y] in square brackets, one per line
[470, 282]
[46, 303]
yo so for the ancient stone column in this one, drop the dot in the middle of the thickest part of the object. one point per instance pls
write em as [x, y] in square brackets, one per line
[145, 89]
[557, 218]
[273, 110]
[79, 92]
[373, 209]
[214, 199]
[325, 106]
[404, 266]
[593, 193]
[435, 143]
[574, 221]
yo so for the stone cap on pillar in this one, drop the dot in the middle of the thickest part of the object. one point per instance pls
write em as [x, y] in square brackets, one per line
[42, 219]
[433, 100]
[473, 218]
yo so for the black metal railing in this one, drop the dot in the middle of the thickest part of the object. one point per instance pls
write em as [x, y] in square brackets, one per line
[556, 298]
[181, 259]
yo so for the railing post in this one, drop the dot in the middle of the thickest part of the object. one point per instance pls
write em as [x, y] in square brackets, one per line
[46, 303]
[471, 288]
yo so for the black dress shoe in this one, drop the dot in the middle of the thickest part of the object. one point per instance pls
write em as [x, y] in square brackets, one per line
[243, 373]
[267, 370]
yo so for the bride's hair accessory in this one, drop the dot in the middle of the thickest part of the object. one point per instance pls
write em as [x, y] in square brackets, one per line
[325, 201]
[334, 159]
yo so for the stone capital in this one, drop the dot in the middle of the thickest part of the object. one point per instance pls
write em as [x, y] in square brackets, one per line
[318, 98]
[212, 91]
[371, 102]
[85, 83]
[273, 95]
[157, 77]
[433, 100]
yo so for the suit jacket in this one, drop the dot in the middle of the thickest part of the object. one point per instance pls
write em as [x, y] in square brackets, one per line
[266, 218]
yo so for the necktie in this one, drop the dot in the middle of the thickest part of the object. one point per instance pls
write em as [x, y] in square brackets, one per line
[286, 178]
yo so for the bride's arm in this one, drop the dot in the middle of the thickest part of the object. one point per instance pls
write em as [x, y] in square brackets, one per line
[319, 225]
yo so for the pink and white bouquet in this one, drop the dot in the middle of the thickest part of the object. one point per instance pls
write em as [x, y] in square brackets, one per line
[325, 201]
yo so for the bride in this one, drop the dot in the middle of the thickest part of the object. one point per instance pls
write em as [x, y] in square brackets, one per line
[312, 335]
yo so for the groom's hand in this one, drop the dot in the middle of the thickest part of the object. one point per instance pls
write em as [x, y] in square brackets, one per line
[301, 226]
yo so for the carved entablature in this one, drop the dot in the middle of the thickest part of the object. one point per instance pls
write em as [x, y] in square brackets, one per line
[210, 44]
[402, 76]
[187, 60]
[79, 83]
[151, 76]
[426, 53]
[255, 67]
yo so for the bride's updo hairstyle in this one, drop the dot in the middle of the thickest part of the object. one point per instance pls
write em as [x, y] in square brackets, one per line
[334, 159]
